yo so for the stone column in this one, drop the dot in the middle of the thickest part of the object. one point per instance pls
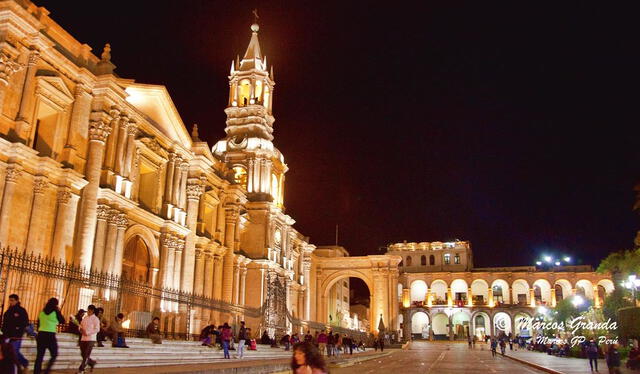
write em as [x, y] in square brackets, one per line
[194, 191]
[177, 175]
[110, 246]
[120, 144]
[184, 170]
[122, 223]
[112, 142]
[307, 290]
[553, 298]
[24, 126]
[101, 237]
[198, 285]
[177, 266]
[243, 285]
[168, 185]
[220, 220]
[597, 303]
[449, 297]
[37, 226]
[227, 284]
[65, 222]
[469, 298]
[236, 281]
[12, 174]
[130, 148]
[7, 67]
[532, 298]
[98, 132]
[209, 271]
[165, 248]
[490, 302]
[171, 259]
[217, 287]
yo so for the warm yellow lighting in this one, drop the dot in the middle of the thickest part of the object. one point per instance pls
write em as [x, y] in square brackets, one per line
[240, 175]
[126, 324]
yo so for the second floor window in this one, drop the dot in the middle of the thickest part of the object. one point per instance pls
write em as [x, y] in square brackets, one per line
[456, 259]
[447, 258]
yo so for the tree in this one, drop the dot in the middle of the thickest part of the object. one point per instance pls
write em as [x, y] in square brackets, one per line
[620, 264]
[613, 302]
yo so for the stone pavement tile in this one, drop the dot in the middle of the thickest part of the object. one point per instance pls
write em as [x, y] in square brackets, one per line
[567, 365]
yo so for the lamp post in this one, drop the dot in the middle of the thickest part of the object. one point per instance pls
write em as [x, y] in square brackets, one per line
[632, 283]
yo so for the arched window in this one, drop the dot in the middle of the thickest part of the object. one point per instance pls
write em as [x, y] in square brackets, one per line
[559, 295]
[408, 260]
[537, 293]
[497, 294]
[423, 260]
[432, 260]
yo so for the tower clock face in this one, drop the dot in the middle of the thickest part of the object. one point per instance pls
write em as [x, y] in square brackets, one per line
[277, 236]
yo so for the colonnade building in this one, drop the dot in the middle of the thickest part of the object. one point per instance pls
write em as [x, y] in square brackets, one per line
[443, 296]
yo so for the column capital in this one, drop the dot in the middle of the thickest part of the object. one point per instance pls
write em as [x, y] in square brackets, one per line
[132, 128]
[199, 253]
[194, 189]
[8, 66]
[13, 172]
[40, 184]
[34, 56]
[64, 196]
[99, 130]
[122, 221]
[104, 211]
[113, 216]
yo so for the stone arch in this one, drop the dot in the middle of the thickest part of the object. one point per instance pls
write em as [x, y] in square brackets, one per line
[420, 324]
[501, 323]
[149, 239]
[459, 290]
[418, 290]
[439, 291]
[586, 286]
[520, 287]
[439, 325]
[338, 277]
[503, 286]
[607, 284]
[481, 327]
[409, 261]
[544, 288]
[461, 330]
[520, 323]
[480, 292]
[562, 288]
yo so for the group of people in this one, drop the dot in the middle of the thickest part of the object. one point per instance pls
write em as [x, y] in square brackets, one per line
[223, 337]
[113, 330]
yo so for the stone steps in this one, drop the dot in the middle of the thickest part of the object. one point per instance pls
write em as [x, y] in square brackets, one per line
[144, 353]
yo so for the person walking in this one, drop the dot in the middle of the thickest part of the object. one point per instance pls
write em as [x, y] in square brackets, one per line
[227, 335]
[89, 328]
[592, 354]
[503, 346]
[242, 339]
[381, 344]
[469, 341]
[330, 344]
[613, 359]
[8, 358]
[494, 346]
[48, 321]
[14, 322]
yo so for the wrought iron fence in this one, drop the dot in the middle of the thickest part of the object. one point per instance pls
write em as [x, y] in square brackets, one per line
[36, 279]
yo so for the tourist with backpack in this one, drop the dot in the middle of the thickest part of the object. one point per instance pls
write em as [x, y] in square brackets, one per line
[592, 354]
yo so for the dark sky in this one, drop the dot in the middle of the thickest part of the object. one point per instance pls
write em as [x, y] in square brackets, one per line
[510, 125]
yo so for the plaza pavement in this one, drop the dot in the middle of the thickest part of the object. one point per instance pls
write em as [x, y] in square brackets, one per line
[566, 365]
[438, 358]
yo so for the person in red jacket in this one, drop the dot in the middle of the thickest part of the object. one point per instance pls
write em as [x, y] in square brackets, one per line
[227, 335]
[322, 343]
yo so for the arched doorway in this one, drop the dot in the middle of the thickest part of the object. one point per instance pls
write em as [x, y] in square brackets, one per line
[420, 325]
[522, 324]
[460, 323]
[136, 265]
[440, 326]
[481, 325]
[501, 324]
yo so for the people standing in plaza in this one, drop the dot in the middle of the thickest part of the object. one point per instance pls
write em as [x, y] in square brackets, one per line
[592, 354]
[153, 331]
[48, 321]
[89, 328]
[226, 336]
[381, 344]
[503, 345]
[613, 359]
[14, 322]
[469, 341]
[347, 343]
[308, 338]
[307, 360]
[510, 343]
[322, 343]
[242, 339]
[494, 346]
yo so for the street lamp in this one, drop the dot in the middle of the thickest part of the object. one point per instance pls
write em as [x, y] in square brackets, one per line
[567, 259]
[547, 258]
[632, 284]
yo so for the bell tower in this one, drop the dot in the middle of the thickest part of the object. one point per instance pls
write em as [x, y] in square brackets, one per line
[248, 149]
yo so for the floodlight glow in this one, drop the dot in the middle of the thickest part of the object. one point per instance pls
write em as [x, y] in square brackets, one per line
[538, 263]
[542, 310]
[557, 263]
[567, 259]
[577, 300]
[632, 278]
[547, 258]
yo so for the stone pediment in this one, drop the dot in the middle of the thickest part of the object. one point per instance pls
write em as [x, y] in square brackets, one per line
[54, 88]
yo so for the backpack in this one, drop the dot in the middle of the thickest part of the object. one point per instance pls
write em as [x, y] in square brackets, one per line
[592, 348]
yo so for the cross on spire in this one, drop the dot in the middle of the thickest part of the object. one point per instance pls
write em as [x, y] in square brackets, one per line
[255, 16]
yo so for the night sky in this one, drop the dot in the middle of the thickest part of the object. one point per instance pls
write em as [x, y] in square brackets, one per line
[510, 125]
